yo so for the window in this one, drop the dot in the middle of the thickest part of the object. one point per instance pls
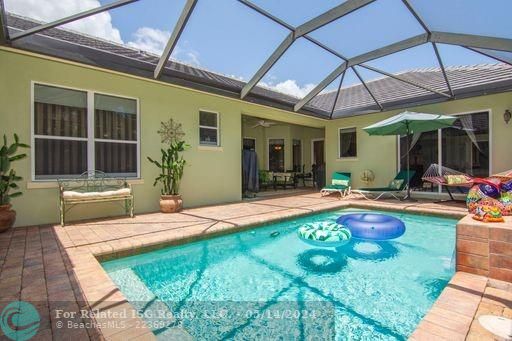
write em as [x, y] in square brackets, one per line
[297, 155]
[348, 143]
[76, 131]
[276, 155]
[208, 128]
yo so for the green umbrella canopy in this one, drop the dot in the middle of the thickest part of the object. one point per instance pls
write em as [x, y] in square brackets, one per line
[409, 123]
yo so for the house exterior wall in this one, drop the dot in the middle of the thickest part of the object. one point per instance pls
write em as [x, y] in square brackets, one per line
[212, 176]
[379, 153]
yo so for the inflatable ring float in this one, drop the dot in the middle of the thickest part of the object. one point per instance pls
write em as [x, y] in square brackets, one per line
[324, 234]
[372, 226]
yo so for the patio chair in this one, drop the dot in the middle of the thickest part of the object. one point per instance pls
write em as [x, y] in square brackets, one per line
[340, 184]
[396, 187]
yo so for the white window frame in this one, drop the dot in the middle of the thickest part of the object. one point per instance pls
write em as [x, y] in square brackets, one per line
[440, 142]
[351, 158]
[217, 128]
[90, 139]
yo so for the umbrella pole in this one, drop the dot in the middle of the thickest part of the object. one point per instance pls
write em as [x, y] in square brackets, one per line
[408, 195]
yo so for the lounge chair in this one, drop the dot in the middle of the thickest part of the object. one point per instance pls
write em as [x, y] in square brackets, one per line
[396, 187]
[340, 184]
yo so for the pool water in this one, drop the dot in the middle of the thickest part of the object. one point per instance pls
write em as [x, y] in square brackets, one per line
[259, 285]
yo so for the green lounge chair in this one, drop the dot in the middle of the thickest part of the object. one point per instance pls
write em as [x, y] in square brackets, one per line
[340, 184]
[377, 193]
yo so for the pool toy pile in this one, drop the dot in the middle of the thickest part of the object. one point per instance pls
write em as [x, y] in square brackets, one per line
[489, 199]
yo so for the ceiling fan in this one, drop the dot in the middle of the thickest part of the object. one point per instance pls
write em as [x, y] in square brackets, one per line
[263, 123]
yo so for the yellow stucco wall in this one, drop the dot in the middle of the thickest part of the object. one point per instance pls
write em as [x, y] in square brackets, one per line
[212, 176]
[379, 153]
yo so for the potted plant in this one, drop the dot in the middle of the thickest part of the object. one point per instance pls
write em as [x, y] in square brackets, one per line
[8, 178]
[171, 166]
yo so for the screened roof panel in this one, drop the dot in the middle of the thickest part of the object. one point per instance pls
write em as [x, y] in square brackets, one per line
[421, 57]
[374, 26]
[488, 18]
[503, 56]
[239, 45]
[297, 12]
[301, 67]
[224, 49]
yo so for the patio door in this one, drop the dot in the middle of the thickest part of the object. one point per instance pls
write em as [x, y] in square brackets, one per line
[318, 152]
[463, 147]
[276, 155]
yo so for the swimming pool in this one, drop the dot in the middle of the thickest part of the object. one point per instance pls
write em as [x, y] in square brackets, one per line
[259, 285]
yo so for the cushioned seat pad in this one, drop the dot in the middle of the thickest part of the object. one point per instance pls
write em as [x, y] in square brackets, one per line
[96, 195]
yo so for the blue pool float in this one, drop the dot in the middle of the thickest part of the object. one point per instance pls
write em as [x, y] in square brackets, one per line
[372, 226]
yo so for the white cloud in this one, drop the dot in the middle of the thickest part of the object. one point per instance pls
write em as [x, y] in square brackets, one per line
[99, 25]
[149, 39]
[290, 87]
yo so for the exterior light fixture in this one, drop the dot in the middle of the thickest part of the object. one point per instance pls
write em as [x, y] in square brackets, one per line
[507, 115]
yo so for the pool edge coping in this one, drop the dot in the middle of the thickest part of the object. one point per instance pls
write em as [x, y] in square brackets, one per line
[137, 328]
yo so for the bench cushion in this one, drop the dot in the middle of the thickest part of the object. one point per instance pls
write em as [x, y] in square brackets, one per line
[123, 192]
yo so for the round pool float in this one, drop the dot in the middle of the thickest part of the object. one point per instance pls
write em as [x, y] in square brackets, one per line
[372, 226]
[324, 234]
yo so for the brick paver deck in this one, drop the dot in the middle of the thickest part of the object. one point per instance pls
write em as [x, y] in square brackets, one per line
[57, 268]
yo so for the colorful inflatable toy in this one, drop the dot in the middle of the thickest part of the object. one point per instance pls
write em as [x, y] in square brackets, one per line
[488, 214]
[324, 234]
[481, 195]
[372, 226]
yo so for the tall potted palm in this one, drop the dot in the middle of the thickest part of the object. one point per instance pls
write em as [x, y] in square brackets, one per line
[171, 165]
[8, 181]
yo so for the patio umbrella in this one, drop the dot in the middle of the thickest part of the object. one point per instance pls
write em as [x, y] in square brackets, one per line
[408, 123]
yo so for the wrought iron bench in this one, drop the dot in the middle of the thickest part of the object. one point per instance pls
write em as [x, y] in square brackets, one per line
[93, 187]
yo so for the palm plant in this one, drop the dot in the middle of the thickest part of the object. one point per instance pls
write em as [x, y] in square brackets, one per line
[171, 168]
[8, 178]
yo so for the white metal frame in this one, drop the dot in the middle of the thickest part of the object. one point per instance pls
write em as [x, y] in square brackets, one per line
[440, 141]
[217, 128]
[313, 148]
[347, 158]
[90, 139]
[268, 151]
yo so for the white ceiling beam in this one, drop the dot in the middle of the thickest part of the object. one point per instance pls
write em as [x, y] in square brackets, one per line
[472, 40]
[331, 15]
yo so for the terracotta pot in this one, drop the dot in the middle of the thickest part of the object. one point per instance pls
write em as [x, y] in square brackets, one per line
[170, 203]
[7, 217]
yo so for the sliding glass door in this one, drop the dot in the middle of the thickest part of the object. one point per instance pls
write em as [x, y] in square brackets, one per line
[463, 147]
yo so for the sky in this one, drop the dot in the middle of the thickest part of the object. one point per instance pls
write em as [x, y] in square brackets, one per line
[227, 37]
